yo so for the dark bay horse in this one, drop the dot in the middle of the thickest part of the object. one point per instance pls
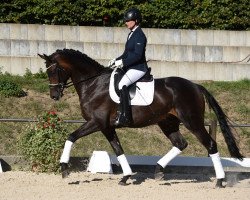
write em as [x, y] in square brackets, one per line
[176, 100]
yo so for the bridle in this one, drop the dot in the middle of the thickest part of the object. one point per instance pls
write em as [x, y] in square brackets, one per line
[60, 83]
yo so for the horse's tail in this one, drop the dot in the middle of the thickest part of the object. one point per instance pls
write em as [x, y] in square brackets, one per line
[224, 124]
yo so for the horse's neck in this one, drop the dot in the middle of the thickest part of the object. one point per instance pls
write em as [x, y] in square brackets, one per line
[85, 72]
[83, 78]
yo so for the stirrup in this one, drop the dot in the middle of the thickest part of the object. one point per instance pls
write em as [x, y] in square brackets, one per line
[121, 120]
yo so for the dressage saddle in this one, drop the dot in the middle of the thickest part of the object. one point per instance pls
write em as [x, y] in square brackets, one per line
[131, 88]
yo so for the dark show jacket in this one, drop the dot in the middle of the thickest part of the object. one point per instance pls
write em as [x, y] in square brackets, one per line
[133, 56]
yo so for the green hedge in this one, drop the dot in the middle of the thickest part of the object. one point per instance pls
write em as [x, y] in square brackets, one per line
[187, 14]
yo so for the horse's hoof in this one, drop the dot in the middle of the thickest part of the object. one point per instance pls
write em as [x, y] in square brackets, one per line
[159, 172]
[64, 170]
[219, 183]
[123, 182]
[65, 174]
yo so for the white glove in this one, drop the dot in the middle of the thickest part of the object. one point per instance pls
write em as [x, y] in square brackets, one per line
[111, 62]
[119, 63]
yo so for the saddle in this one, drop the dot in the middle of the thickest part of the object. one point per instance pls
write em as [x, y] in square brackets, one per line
[131, 88]
[141, 92]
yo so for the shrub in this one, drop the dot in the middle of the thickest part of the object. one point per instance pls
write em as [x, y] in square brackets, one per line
[9, 88]
[39, 75]
[42, 143]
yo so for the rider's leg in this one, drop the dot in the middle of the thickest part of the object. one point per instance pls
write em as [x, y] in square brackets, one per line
[125, 115]
[131, 76]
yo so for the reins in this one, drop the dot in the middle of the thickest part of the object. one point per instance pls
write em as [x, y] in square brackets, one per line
[69, 84]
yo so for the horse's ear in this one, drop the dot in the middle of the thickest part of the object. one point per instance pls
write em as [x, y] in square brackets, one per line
[44, 56]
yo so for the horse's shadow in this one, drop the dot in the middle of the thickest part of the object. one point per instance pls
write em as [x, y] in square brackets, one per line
[174, 175]
[169, 179]
[138, 178]
[231, 179]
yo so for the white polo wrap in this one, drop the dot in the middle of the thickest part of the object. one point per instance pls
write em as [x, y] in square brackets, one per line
[124, 164]
[66, 152]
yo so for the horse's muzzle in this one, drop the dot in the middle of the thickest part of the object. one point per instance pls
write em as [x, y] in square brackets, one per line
[55, 98]
[56, 95]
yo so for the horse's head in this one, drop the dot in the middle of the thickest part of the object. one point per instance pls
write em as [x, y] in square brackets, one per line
[58, 75]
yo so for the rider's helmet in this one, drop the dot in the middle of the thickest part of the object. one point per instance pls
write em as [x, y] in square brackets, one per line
[133, 14]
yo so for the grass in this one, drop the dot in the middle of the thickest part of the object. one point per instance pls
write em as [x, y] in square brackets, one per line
[234, 98]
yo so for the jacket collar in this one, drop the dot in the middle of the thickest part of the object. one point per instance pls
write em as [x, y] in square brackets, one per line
[134, 28]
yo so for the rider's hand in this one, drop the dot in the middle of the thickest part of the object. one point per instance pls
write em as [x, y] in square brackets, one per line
[111, 62]
[119, 63]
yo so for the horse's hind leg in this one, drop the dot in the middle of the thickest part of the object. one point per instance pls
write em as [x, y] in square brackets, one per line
[113, 139]
[170, 128]
[196, 126]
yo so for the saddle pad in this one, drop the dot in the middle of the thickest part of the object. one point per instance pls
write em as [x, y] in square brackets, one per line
[144, 92]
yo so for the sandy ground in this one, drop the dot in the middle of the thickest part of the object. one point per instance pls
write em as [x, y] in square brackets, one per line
[83, 185]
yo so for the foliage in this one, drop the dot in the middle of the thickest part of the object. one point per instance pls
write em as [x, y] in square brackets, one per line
[193, 14]
[39, 75]
[42, 144]
[234, 87]
[37, 81]
[9, 88]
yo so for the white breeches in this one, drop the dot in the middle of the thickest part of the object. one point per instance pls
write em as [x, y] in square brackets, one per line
[131, 76]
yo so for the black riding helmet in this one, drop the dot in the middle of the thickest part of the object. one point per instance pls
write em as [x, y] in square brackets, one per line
[133, 14]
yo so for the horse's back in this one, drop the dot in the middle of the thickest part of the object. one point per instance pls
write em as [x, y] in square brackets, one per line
[183, 90]
[177, 83]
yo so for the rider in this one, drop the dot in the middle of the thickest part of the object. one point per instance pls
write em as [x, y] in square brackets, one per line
[132, 62]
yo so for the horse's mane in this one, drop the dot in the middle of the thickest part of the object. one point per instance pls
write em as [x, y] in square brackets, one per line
[76, 55]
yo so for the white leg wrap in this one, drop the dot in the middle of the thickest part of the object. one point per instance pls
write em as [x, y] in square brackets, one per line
[169, 156]
[124, 164]
[66, 152]
[217, 166]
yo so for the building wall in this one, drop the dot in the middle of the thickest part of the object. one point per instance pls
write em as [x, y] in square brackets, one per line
[192, 54]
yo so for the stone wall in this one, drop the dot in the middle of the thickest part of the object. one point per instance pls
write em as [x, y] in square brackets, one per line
[192, 54]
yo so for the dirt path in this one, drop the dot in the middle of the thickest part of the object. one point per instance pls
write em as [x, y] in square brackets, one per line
[31, 186]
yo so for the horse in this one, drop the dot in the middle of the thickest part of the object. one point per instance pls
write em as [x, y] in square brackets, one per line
[176, 100]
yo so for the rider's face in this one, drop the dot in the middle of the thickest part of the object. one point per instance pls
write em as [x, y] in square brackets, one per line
[130, 24]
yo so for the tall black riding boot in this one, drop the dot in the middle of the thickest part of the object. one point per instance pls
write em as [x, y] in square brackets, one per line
[124, 117]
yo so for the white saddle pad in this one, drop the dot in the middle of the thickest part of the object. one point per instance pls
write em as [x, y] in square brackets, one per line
[144, 92]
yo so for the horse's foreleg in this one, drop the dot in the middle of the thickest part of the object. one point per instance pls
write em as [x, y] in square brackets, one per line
[116, 145]
[85, 129]
[127, 172]
[64, 160]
